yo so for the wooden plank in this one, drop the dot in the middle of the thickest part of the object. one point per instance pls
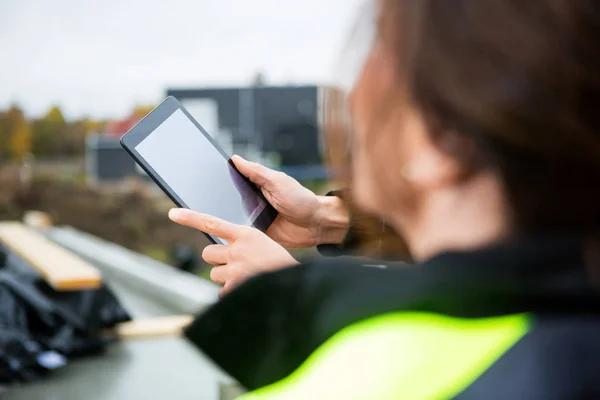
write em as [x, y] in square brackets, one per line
[63, 270]
[153, 327]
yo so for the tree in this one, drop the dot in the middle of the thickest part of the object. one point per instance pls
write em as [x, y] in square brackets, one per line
[8, 123]
[4, 133]
[15, 133]
[55, 116]
[20, 140]
[141, 111]
[92, 126]
[73, 143]
[48, 133]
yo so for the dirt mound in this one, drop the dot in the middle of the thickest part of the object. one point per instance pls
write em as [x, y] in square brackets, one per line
[131, 218]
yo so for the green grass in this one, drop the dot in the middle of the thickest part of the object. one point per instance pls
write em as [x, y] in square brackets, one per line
[158, 253]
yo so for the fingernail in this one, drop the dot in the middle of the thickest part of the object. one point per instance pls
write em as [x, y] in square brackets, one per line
[176, 213]
[236, 157]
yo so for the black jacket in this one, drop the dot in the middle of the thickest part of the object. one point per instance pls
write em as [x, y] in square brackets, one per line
[270, 326]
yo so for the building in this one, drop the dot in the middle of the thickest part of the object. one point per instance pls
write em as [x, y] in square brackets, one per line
[273, 120]
[275, 125]
[107, 161]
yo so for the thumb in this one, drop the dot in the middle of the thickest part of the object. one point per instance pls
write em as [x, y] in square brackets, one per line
[260, 175]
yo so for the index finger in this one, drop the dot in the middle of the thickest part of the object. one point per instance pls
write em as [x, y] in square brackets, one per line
[206, 223]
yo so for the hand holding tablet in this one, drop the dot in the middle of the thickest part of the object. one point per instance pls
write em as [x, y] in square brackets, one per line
[187, 164]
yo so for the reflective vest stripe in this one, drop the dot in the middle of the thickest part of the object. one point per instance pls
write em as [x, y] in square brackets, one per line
[416, 356]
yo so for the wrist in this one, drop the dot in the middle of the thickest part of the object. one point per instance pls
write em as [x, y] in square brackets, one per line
[332, 220]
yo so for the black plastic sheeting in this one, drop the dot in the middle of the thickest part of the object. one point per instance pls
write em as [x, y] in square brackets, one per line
[42, 329]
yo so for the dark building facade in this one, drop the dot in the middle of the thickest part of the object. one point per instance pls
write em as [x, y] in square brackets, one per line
[282, 120]
[107, 161]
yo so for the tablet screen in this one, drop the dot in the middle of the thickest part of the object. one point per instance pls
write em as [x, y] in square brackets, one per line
[198, 173]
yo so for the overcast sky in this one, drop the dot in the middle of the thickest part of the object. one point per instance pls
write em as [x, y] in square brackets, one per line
[101, 57]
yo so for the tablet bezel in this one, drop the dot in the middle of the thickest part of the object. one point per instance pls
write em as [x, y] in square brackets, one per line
[149, 124]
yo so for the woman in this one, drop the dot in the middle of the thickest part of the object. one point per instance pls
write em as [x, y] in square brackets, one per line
[476, 135]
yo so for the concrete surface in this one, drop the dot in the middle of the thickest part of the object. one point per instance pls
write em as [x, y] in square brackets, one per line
[184, 292]
[166, 368]
[154, 369]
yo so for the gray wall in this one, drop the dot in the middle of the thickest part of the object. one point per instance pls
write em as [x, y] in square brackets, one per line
[263, 114]
[227, 100]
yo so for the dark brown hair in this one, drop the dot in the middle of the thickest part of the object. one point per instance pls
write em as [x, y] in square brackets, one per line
[375, 239]
[520, 79]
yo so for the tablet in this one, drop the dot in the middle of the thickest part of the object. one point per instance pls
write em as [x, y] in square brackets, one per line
[189, 166]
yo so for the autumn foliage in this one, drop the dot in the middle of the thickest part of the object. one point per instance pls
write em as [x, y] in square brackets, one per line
[52, 136]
